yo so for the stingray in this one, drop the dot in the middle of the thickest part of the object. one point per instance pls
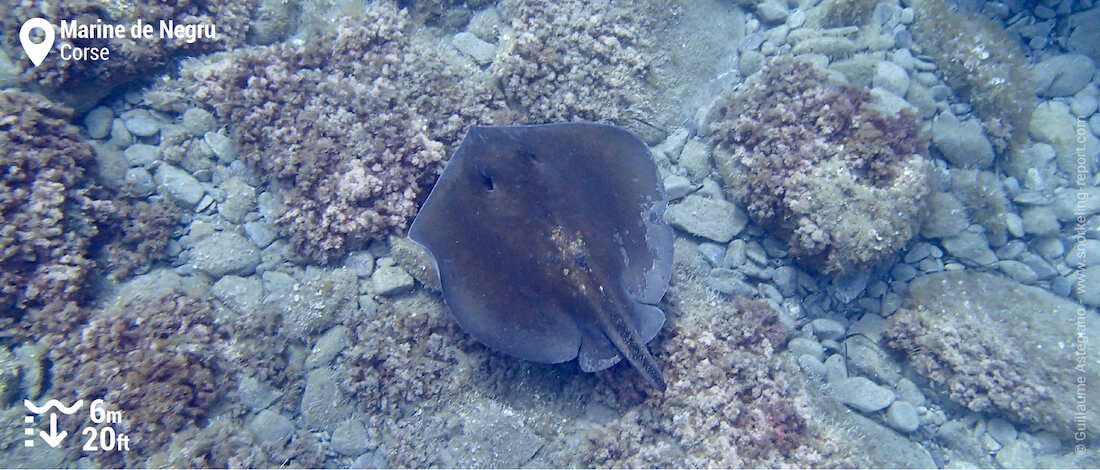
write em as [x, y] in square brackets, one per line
[550, 243]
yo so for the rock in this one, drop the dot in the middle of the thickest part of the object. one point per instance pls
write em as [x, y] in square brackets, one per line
[256, 395]
[1001, 430]
[314, 302]
[120, 137]
[891, 302]
[909, 392]
[1040, 221]
[849, 288]
[1016, 454]
[1087, 289]
[272, 428]
[863, 394]
[712, 252]
[1062, 75]
[677, 186]
[806, 347]
[902, 416]
[142, 155]
[111, 165]
[261, 233]
[1084, 254]
[885, 447]
[695, 158]
[98, 122]
[867, 359]
[375, 459]
[729, 282]
[1086, 28]
[178, 185]
[836, 370]
[890, 104]
[139, 182]
[323, 404]
[736, 254]
[962, 143]
[947, 216]
[1014, 224]
[1068, 203]
[349, 438]
[832, 46]
[240, 294]
[903, 272]
[480, 51]
[786, 280]
[391, 280]
[328, 346]
[812, 366]
[492, 438]
[1052, 123]
[891, 77]
[140, 123]
[1018, 271]
[825, 328]
[970, 246]
[222, 146]
[772, 11]
[224, 253]
[1083, 104]
[360, 262]
[1009, 334]
[198, 121]
[415, 260]
[240, 199]
[709, 218]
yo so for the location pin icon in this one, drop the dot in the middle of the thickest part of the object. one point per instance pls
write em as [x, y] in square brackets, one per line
[36, 52]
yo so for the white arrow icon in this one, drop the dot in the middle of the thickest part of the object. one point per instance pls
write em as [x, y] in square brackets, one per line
[53, 439]
[36, 51]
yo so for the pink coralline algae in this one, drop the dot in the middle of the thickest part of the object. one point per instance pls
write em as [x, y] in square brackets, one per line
[732, 401]
[353, 126]
[47, 214]
[841, 182]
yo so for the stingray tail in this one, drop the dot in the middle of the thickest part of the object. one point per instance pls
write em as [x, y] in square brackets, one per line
[633, 346]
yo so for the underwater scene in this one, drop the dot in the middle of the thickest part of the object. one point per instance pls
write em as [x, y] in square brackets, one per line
[549, 234]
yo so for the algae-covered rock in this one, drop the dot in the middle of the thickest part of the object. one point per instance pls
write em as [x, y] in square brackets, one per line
[994, 344]
[842, 183]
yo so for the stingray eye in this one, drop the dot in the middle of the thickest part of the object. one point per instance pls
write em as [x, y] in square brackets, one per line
[487, 179]
[530, 155]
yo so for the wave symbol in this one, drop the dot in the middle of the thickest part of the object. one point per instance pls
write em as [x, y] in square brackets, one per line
[53, 404]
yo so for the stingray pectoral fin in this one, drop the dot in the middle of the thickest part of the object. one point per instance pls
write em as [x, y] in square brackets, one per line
[597, 353]
[527, 327]
[648, 320]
